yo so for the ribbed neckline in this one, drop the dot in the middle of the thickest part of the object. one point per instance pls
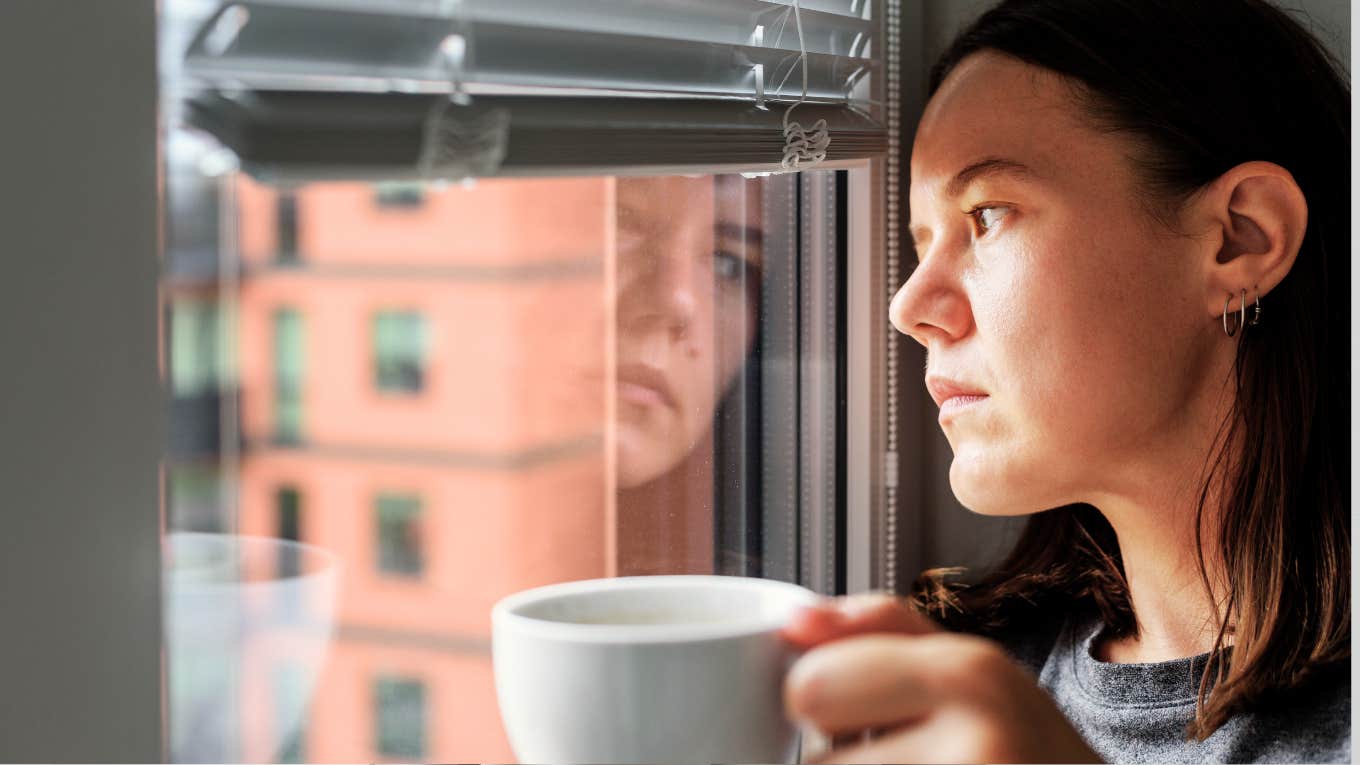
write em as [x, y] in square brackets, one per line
[1164, 683]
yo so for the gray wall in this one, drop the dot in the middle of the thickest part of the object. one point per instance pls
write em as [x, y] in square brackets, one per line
[950, 535]
[80, 404]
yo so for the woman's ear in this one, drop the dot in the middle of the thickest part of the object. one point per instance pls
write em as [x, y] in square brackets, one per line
[1256, 215]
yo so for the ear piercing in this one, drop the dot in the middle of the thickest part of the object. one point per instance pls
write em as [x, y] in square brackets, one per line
[1241, 320]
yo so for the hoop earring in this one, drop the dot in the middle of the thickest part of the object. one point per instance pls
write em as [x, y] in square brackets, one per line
[1256, 310]
[1242, 315]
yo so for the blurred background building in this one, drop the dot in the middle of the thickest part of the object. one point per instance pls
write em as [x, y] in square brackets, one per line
[388, 370]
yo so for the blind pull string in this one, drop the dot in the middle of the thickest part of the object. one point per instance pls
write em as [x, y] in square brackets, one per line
[460, 139]
[803, 146]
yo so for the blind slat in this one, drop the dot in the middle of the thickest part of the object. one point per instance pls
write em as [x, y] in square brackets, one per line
[283, 136]
[301, 47]
[343, 88]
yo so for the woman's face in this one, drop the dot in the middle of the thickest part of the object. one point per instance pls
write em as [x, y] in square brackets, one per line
[687, 282]
[1045, 286]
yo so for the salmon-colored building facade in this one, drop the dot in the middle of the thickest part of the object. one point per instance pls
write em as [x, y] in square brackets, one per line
[420, 381]
[505, 462]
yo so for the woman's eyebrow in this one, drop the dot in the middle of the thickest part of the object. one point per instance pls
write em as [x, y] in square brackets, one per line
[974, 172]
[748, 234]
[985, 168]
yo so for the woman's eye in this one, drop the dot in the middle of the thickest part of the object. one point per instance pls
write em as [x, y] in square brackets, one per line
[728, 266]
[987, 217]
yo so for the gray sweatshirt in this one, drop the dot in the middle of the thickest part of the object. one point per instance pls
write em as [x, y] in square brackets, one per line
[1138, 712]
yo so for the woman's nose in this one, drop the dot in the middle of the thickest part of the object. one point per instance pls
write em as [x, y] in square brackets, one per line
[665, 292]
[931, 307]
[676, 290]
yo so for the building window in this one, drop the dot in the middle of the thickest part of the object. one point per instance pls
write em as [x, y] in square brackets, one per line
[290, 699]
[399, 351]
[400, 713]
[399, 196]
[399, 542]
[289, 503]
[195, 339]
[287, 219]
[288, 366]
[196, 498]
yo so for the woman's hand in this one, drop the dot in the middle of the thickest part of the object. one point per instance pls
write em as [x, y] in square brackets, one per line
[876, 665]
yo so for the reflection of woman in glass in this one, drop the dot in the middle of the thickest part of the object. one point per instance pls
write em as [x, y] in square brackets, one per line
[1102, 193]
[688, 284]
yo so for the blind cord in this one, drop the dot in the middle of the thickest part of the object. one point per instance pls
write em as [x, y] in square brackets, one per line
[803, 146]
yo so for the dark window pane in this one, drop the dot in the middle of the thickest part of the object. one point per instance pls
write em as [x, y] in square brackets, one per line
[289, 502]
[399, 196]
[288, 227]
[399, 543]
[400, 712]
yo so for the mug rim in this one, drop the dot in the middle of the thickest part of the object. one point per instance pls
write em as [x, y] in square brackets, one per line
[328, 563]
[506, 613]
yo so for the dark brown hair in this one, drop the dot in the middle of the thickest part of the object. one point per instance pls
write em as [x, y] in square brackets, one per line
[1201, 87]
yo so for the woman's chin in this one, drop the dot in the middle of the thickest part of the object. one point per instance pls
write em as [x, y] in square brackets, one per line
[985, 487]
[640, 461]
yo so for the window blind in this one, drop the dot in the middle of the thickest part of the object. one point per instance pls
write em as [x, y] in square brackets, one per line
[343, 88]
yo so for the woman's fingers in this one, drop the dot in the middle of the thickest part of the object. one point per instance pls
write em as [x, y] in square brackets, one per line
[877, 681]
[859, 614]
[938, 697]
[946, 737]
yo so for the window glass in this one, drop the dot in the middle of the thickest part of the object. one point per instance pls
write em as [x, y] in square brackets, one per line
[399, 351]
[289, 527]
[399, 707]
[290, 692]
[287, 218]
[417, 397]
[399, 538]
[196, 497]
[514, 383]
[398, 195]
[289, 363]
[194, 346]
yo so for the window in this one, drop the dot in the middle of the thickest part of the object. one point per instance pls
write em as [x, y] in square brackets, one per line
[289, 527]
[605, 336]
[195, 497]
[286, 210]
[399, 352]
[399, 709]
[195, 346]
[399, 538]
[399, 196]
[288, 366]
[290, 696]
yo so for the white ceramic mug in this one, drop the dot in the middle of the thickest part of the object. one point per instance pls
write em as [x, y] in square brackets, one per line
[672, 669]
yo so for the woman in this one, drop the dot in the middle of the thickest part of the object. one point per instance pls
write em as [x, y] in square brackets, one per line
[1131, 224]
[687, 288]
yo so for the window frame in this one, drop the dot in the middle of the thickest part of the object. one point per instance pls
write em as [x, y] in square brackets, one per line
[84, 389]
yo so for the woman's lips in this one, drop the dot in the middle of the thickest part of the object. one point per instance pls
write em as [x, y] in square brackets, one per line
[643, 385]
[641, 395]
[953, 395]
[955, 404]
